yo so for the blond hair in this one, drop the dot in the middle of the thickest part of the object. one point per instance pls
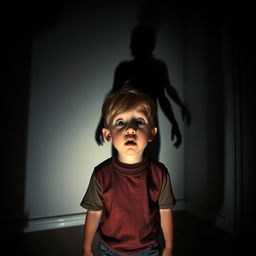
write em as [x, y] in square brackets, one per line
[124, 100]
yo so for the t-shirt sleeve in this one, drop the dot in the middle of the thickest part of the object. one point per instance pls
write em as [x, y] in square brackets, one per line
[92, 199]
[166, 199]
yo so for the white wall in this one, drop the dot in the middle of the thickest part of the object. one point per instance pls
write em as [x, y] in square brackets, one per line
[72, 69]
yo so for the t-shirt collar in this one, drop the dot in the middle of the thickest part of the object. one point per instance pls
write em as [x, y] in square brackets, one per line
[130, 169]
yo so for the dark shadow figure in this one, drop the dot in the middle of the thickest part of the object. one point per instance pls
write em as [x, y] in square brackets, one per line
[149, 75]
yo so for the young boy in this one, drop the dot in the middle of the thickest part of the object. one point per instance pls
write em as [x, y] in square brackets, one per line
[129, 198]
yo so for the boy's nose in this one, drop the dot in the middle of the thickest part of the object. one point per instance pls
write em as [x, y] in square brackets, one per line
[130, 130]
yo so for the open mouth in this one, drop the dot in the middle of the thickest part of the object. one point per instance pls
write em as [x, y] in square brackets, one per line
[130, 143]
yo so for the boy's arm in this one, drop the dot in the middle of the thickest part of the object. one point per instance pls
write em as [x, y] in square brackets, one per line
[167, 228]
[90, 227]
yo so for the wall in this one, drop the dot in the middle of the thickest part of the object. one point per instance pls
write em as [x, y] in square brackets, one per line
[244, 47]
[72, 67]
[62, 66]
[211, 150]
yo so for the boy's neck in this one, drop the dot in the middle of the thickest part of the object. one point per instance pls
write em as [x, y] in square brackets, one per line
[130, 159]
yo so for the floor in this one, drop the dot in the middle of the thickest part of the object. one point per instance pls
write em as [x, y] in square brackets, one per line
[192, 237]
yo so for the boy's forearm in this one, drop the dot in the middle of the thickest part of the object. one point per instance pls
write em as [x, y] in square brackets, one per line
[167, 227]
[90, 227]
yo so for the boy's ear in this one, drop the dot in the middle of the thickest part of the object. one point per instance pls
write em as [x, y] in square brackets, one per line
[152, 134]
[106, 134]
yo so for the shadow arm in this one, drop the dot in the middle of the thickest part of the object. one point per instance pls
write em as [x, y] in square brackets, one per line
[168, 111]
[172, 93]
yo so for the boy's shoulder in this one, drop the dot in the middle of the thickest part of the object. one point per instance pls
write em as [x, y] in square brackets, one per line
[102, 171]
[103, 165]
[159, 166]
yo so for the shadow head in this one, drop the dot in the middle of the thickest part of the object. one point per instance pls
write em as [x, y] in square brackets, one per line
[143, 39]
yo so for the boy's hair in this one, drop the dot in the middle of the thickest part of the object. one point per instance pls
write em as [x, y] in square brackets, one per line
[124, 100]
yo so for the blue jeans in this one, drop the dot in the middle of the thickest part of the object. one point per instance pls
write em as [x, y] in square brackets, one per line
[153, 251]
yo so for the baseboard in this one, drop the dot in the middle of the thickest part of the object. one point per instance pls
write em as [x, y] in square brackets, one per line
[48, 223]
[215, 219]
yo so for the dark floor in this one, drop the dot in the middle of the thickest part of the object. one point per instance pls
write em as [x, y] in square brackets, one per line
[192, 237]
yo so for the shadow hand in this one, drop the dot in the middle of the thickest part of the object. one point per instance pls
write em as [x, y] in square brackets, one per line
[185, 116]
[98, 133]
[99, 138]
[176, 135]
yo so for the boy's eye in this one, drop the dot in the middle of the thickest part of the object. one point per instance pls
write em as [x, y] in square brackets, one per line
[120, 122]
[140, 121]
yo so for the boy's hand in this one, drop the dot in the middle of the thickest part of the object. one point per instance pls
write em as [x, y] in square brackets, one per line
[88, 253]
[167, 252]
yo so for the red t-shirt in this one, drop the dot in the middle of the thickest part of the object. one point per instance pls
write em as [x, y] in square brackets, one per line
[130, 196]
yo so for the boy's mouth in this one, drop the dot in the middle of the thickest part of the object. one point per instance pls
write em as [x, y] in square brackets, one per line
[130, 143]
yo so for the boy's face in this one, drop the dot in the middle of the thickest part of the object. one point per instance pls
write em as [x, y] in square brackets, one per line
[130, 133]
